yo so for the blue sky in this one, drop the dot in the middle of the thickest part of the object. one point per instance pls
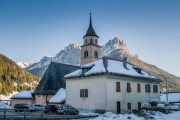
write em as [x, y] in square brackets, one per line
[31, 29]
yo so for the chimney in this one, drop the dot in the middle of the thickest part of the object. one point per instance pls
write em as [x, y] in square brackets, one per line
[125, 63]
[105, 63]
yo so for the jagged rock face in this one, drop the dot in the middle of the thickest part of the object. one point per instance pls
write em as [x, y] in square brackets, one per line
[70, 55]
[111, 45]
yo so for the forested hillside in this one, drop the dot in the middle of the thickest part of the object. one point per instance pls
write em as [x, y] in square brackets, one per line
[14, 78]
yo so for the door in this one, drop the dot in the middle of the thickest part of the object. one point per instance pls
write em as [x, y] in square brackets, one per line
[118, 107]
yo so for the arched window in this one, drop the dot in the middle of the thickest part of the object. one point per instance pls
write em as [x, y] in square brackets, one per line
[86, 54]
[86, 41]
[95, 54]
[91, 41]
[96, 41]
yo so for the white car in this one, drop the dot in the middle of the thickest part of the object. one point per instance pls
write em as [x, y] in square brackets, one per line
[35, 107]
[173, 107]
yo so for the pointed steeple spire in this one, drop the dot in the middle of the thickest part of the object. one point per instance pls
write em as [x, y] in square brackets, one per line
[90, 31]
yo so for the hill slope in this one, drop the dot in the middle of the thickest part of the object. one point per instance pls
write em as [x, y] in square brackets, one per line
[14, 78]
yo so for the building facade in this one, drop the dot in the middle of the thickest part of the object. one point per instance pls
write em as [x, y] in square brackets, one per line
[114, 88]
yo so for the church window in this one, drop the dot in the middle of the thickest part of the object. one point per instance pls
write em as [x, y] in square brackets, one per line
[95, 54]
[83, 92]
[91, 41]
[96, 41]
[86, 54]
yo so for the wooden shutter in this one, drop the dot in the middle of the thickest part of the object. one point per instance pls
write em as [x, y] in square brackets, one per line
[128, 87]
[147, 88]
[155, 88]
[81, 92]
[138, 87]
[118, 87]
[86, 92]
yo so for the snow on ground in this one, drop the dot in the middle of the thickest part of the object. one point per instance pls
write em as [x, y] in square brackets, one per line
[111, 116]
[59, 97]
[156, 115]
[4, 106]
[172, 97]
[23, 95]
[87, 112]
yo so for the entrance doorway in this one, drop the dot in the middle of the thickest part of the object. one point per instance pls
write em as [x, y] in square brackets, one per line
[118, 107]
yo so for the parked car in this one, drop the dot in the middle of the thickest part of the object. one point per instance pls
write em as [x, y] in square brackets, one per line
[173, 107]
[35, 107]
[21, 106]
[50, 109]
[67, 109]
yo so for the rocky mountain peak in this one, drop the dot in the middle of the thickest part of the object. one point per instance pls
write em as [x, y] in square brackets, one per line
[114, 44]
[73, 46]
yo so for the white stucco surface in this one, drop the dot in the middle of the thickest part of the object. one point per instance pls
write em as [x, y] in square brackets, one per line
[102, 92]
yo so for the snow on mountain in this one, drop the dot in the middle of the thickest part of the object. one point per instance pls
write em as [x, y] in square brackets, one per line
[24, 64]
[114, 44]
[72, 54]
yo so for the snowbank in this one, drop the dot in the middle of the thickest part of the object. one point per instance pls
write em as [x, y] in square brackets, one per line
[156, 116]
[4, 106]
[23, 95]
[111, 116]
[87, 112]
[59, 97]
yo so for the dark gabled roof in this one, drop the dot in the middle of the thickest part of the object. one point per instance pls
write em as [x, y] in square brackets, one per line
[90, 31]
[53, 79]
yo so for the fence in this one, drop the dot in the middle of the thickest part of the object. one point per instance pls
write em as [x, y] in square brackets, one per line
[25, 114]
[20, 114]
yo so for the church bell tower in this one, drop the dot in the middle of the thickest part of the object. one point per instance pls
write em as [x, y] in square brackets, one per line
[90, 50]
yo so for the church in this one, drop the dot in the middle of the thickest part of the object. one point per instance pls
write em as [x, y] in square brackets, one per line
[107, 84]
[98, 84]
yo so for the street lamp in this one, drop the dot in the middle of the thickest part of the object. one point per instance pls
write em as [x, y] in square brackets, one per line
[166, 86]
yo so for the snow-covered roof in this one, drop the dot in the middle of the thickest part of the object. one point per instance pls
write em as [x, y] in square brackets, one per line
[114, 67]
[172, 97]
[59, 97]
[23, 95]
